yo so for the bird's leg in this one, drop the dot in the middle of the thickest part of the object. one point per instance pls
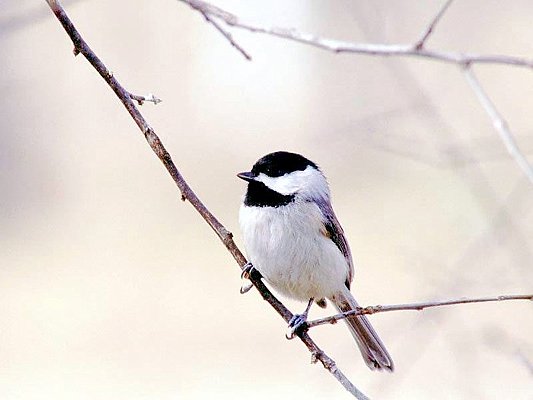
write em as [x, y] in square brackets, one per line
[247, 271]
[298, 322]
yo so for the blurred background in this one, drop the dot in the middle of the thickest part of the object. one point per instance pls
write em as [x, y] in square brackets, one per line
[112, 288]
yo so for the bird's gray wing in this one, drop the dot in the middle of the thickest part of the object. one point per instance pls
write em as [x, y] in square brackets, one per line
[334, 231]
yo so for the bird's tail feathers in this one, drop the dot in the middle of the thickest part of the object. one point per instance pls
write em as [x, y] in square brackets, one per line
[374, 352]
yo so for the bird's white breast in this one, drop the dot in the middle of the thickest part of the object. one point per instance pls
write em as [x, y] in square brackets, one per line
[288, 246]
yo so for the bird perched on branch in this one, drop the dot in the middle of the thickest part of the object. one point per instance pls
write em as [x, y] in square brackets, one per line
[295, 241]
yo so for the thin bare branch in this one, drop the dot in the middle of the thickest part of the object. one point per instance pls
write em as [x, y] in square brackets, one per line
[413, 307]
[188, 194]
[337, 46]
[525, 361]
[429, 30]
[499, 124]
[207, 10]
[141, 99]
[228, 36]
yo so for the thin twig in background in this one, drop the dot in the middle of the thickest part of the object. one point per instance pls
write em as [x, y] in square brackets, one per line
[226, 34]
[414, 307]
[416, 49]
[188, 194]
[525, 361]
[429, 30]
[499, 124]
[338, 46]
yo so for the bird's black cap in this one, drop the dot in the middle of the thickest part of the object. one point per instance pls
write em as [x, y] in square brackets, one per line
[281, 163]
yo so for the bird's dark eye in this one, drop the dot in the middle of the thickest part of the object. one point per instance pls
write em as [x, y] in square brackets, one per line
[271, 171]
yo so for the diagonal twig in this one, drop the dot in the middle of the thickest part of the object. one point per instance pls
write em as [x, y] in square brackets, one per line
[414, 307]
[525, 360]
[208, 10]
[429, 30]
[188, 194]
[500, 125]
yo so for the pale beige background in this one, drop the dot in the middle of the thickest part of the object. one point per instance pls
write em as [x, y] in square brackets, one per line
[112, 288]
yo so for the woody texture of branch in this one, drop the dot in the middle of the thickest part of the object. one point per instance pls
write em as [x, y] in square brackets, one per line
[220, 19]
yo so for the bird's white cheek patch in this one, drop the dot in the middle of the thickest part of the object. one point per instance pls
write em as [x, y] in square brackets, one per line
[284, 185]
[290, 183]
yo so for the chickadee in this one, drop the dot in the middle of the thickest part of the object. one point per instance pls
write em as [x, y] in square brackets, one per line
[295, 241]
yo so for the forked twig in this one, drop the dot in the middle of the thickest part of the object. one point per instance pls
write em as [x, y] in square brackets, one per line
[338, 46]
[417, 49]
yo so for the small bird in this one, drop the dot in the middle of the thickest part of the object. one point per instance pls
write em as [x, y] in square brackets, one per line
[294, 240]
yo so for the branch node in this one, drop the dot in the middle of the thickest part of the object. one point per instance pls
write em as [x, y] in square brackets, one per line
[75, 51]
[153, 99]
[141, 99]
[370, 309]
[226, 236]
[315, 356]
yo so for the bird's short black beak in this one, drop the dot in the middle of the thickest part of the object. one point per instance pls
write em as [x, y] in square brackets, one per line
[247, 176]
